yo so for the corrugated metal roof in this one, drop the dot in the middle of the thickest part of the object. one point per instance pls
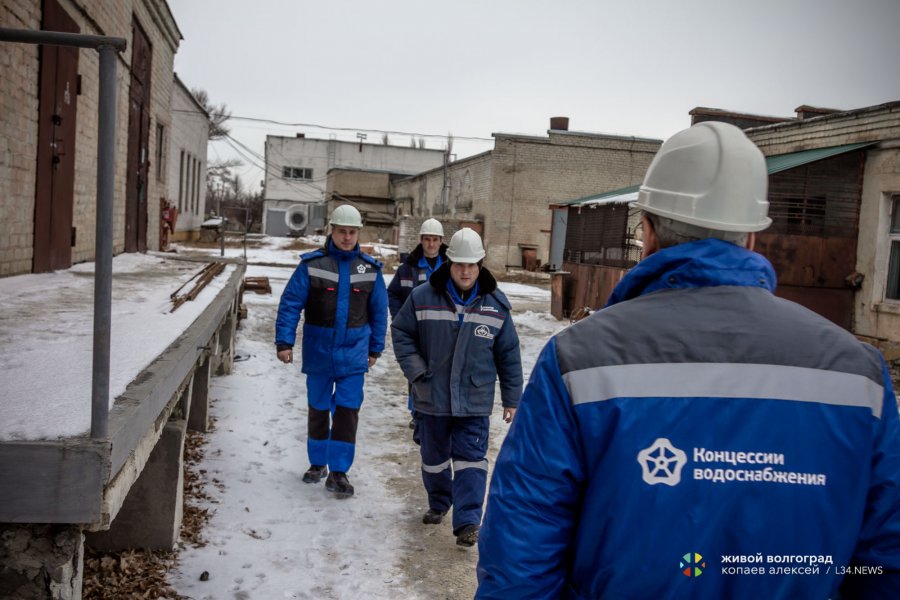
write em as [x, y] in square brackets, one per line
[774, 164]
[783, 162]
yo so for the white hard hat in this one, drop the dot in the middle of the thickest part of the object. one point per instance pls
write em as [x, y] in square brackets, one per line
[710, 175]
[347, 216]
[431, 227]
[465, 247]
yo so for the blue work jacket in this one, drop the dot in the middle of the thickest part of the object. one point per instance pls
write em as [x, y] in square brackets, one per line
[453, 353]
[344, 304]
[414, 271]
[696, 430]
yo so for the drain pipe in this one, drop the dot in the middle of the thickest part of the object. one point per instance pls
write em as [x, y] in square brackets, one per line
[107, 47]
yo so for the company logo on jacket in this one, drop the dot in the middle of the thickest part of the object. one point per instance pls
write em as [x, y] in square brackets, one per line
[662, 463]
[484, 332]
[361, 268]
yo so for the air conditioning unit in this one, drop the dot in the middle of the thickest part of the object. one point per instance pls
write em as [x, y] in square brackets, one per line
[296, 218]
[305, 218]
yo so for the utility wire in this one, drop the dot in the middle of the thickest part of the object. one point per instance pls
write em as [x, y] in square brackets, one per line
[317, 126]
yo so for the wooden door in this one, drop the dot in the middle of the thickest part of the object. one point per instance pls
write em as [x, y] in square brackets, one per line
[54, 235]
[138, 142]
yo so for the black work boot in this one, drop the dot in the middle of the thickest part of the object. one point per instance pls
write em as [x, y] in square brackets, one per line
[315, 473]
[433, 517]
[338, 483]
[467, 536]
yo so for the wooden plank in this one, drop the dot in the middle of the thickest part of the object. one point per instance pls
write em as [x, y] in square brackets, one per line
[52, 482]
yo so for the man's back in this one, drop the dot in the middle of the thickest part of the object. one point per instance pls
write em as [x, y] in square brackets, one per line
[702, 439]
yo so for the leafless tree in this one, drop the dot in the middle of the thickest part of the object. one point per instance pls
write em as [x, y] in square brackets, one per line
[218, 115]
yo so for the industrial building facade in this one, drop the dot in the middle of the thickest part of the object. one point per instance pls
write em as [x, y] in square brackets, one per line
[48, 134]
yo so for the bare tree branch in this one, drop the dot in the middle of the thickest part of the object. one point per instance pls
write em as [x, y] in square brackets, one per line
[218, 114]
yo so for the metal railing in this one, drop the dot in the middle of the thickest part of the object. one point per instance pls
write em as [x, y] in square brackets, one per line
[107, 47]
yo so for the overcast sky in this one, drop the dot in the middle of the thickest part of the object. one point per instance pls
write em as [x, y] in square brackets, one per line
[474, 67]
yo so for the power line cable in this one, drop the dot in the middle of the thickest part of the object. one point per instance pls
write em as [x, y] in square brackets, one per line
[327, 127]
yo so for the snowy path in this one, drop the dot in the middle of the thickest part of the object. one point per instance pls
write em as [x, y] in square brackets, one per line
[272, 536]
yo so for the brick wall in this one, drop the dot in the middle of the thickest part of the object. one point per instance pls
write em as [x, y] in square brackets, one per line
[18, 129]
[531, 173]
[18, 138]
[863, 125]
[510, 188]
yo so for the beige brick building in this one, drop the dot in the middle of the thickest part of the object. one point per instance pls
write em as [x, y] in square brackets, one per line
[50, 227]
[849, 269]
[508, 190]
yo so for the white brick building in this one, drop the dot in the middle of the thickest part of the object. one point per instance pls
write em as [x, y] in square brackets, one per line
[297, 169]
[187, 161]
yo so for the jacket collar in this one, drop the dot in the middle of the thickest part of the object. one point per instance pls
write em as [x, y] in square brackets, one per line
[486, 282]
[417, 254]
[332, 250]
[704, 263]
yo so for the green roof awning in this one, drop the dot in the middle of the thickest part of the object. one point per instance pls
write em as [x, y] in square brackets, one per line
[783, 162]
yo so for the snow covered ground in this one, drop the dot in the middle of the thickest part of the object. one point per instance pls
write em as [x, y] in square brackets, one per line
[46, 332]
[272, 536]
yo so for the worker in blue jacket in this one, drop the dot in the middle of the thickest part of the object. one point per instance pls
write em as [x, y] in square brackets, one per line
[342, 294]
[699, 437]
[453, 339]
[425, 259]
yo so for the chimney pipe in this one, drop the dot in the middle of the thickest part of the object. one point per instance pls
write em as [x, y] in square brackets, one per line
[559, 123]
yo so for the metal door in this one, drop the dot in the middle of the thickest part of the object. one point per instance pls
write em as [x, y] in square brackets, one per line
[54, 235]
[138, 142]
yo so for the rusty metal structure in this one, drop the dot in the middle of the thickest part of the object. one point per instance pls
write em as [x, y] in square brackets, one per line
[813, 238]
[602, 241]
[814, 201]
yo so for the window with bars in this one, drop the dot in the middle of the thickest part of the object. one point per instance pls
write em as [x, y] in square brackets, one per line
[892, 290]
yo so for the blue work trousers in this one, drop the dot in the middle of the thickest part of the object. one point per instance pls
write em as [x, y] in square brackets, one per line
[454, 467]
[333, 417]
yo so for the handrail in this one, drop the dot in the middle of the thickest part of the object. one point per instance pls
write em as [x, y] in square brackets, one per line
[103, 249]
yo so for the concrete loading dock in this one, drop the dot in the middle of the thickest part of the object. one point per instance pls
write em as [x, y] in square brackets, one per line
[124, 490]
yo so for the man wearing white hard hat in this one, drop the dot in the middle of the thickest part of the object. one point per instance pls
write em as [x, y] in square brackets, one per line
[699, 437]
[453, 339]
[341, 292]
[425, 259]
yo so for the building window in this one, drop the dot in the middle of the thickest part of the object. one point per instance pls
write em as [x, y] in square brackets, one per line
[296, 173]
[160, 152]
[181, 184]
[892, 292]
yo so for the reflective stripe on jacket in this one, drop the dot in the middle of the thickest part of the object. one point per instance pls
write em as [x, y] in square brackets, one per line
[696, 424]
[344, 300]
[452, 362]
